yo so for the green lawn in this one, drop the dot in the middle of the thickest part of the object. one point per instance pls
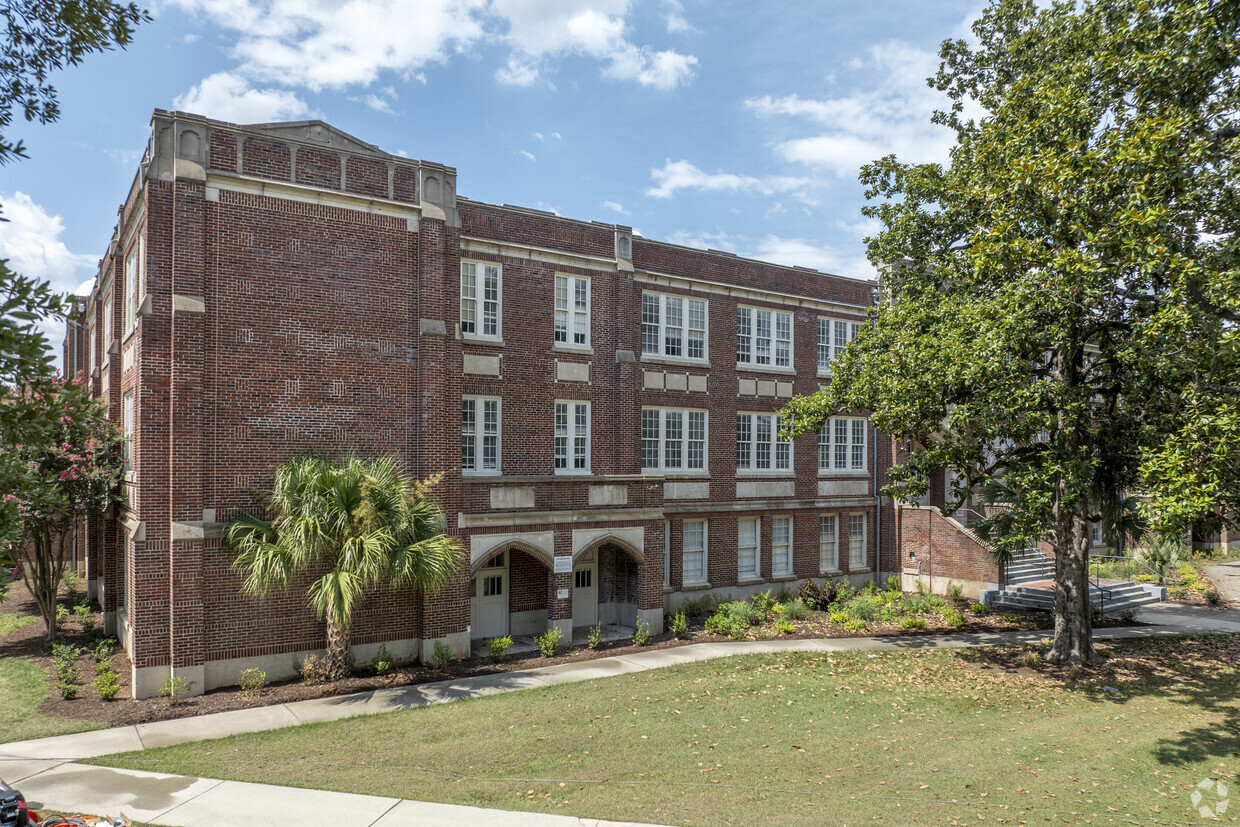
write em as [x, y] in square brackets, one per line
[11, 623]
[901, 738]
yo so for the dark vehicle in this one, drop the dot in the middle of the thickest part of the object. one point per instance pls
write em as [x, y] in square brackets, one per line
[13, 812]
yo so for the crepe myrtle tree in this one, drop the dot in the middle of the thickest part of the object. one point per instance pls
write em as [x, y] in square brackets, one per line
[1059, 302]
[73, 471]
[355, 523]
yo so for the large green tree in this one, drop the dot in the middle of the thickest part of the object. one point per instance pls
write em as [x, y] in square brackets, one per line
[356, 524]
[1060, 301]
[38, 38]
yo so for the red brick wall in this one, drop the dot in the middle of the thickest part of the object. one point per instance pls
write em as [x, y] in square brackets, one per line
[941, 549]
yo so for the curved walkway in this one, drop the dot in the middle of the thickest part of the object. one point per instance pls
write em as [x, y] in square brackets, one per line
[44, 770]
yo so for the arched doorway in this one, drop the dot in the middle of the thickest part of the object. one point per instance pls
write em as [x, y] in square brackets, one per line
[508, 593]
[606, 583]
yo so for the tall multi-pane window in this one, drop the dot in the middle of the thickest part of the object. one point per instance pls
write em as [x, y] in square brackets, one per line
[828, 543]
[673, 326]
[748, 554]
[480, 299]
[781, 545]
[107, 322]
[693, 551]
[763, 337]
[135, 264]
[572, 311]
[841, 444]
[758, 446]
[572, 437]
[856, 541]
[127, 423]
[673, 440]
[480, 437]
[833, 336]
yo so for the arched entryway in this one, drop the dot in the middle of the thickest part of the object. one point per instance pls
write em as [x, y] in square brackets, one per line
[508, 592]
[605, 584]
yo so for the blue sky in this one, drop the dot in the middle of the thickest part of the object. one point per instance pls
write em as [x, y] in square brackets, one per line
[734, 125]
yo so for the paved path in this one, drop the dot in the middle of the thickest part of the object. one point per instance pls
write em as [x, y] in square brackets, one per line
[1227, 577]
[44, 770]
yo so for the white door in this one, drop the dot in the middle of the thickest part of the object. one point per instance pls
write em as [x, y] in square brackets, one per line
[488, 598]
[585, 596]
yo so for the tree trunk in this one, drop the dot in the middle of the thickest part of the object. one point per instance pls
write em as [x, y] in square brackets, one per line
[339, 656]
[1074, 636]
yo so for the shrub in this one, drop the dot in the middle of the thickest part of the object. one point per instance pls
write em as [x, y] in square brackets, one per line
[64, 654]
[641, 635]
[1213, 597]
[384, 662]
[784, 595]
[818, 597]
[870, 587]
[1032, 659]
[855, 624]
[956, 593]
[441, 655]
[980, 609]
[1008, 617]
[1128, 615]
[497, 648]
[953, 617]
[915, 604]
[1177, 592]
[861, 607]
[679, 626]
[784, 626]
[762, 604]
[730, 619]
[703, 606]
[62, 615]
[175, 689]
[921, 588]
[838, 617]
[911, 622]
[1162, 555]
[594, 638]
[795, 609]
[103, 649]
[893, 583]
[888, 613]
[313, 669]
[549, 641]
[70, 686]
[890, 597]
[71, 581]
[937, 603]
[107, 684]
[253, 681]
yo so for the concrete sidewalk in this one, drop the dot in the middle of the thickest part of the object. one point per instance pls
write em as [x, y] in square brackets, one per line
[43, 769]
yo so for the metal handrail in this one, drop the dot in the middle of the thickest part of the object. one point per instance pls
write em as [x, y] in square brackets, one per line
[1129, 562]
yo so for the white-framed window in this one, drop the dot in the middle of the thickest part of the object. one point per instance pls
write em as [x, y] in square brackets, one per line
[758, 446]
[94, 348]
[693, 551]
[856, 541]
[481, 303]
[480, 435]
[763, 337]
[673, 326]
[107, 323]
[135, 277]
[748, 551]
[572, 311]
[572, 437]
[841, 444]
[1097, 534]
[781, 545]
[127, 423]
[673, 440]
[828, 543]
[833, 336]
[667, 554]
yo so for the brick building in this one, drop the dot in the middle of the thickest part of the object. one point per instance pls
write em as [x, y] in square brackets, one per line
[604, 405]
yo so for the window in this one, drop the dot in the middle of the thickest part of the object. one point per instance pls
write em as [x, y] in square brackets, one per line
[673, 326]
[572, 437]
[90, 334]
[781, 545]
[758, 446]
[127, 414]
[856, 541]
[841, 444]
[833, 336]
[761, 335]
[667, 554]
[1097, 534]
[107, 323]
[747, 552]
[479, 435]
[480, 299]
[572, 311]
[693, 551]
[828, 543]
[135, 265]
[673, 440]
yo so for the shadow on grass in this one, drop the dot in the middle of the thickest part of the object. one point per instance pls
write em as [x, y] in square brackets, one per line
[1201, 672]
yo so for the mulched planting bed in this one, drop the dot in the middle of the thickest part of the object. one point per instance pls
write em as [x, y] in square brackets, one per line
[28, 642]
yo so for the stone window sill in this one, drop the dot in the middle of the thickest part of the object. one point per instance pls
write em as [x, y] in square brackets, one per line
[783, 577]
[830, 573]
[693, 587]
[578, 350]
[488, 341]
[743, 474]
[746, 367]
[749, 581]
[676, 360]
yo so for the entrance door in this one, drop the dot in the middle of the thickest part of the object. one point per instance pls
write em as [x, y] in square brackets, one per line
[488, 593]
[585, 596]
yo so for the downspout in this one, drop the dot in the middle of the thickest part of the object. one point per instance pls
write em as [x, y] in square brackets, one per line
[878, 515]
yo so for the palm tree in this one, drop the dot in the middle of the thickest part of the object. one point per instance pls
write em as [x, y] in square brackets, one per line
[362, 520]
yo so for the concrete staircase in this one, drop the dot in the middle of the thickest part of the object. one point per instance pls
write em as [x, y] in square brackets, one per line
[1029, 584]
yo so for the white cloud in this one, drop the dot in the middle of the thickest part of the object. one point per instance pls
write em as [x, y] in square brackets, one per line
[30, 240]
[797, 252]
[676, 175]
[529, 156]
[227, 96]
[614, 206]
[557, 136]
[892, 116]
[542, 29]
[674, 17]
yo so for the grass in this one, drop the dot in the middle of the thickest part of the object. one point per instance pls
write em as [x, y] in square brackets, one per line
[796, 738]
[11, 623]
[23, 687]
